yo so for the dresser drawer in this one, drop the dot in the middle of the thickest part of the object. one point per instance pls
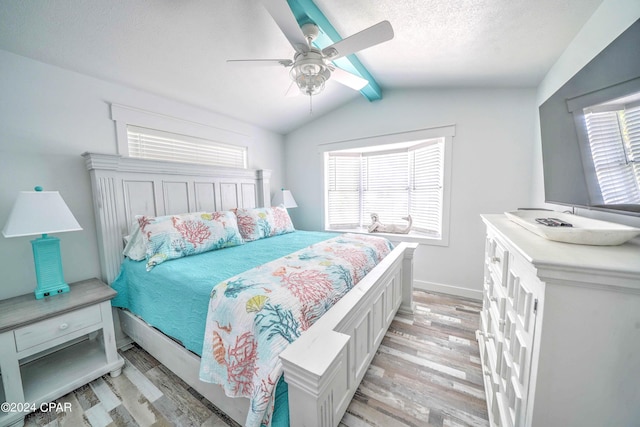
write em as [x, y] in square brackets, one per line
[497, 260]
[55, 327]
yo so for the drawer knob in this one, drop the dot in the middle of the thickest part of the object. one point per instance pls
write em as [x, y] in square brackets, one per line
[487, 372]
[493, 298]
[495, 259]
[63, 326]
[501, 322]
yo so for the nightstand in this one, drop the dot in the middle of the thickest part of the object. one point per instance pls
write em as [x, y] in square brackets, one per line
[50, 347]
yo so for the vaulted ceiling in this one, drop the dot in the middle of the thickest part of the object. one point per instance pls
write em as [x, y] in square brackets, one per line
[178, 49]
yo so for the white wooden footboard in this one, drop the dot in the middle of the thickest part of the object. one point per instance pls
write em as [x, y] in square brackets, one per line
[324, 367]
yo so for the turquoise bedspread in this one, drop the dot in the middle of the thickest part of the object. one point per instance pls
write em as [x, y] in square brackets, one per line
[174, 296]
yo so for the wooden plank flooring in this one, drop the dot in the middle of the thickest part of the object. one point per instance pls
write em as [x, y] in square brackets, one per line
[425, 373]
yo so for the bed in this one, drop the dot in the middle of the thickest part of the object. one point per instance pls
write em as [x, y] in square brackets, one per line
[323, 367]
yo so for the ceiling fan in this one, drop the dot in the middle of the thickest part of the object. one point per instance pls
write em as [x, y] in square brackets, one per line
[312, 67]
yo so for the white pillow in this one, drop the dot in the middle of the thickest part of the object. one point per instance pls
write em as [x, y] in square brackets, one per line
[136, 248]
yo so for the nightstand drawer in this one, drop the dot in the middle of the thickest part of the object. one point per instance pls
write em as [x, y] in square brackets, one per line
[55, 327]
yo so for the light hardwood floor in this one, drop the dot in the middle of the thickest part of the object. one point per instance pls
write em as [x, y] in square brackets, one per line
[425, 373]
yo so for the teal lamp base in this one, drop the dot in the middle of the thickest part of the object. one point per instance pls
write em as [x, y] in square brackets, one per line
[48, 263]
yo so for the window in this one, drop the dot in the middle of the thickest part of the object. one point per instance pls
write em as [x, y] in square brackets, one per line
[151, 135]
[159, 145]
[392, 180]
[614, 140]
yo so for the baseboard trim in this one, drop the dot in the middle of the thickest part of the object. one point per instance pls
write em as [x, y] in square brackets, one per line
[448, 289]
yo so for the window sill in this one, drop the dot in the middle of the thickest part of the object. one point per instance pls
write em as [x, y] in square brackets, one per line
[412, 237]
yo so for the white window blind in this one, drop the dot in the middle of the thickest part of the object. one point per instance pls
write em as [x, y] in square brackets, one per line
[393, 184]
[160, 145]
[426, 194]
[385, 186]
[614, 140]
[344, 175]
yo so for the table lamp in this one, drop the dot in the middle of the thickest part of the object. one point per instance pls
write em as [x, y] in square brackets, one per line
[285, 198]
[43, 212]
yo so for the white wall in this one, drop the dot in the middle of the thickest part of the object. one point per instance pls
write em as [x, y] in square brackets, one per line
[610, 20]
[50, 116]
[491, 166]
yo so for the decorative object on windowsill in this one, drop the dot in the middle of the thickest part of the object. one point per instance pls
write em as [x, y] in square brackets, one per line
[285, 198]
[43, 212]
[377, 227]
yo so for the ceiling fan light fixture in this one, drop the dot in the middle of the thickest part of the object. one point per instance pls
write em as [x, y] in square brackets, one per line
[311, 83]
[310, 73]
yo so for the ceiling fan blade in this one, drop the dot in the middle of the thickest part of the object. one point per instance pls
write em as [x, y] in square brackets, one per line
[376, 34]
[262, 62]
[281, 13]
[348, 79]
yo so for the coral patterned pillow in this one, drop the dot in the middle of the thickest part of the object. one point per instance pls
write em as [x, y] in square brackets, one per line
[259, 223]
[175, 236]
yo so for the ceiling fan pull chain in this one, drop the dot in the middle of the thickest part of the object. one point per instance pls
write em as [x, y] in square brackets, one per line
[310, 104]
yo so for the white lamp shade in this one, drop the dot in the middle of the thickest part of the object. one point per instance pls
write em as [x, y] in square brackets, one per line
[39, 212]
[284, 197]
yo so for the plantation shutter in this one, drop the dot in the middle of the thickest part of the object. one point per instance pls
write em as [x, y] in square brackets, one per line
[614, 140]
[159, 145]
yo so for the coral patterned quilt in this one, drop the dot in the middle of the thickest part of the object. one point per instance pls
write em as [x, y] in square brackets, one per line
[253, 316]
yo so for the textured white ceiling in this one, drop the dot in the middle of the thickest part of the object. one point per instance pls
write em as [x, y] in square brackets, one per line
[178, 49]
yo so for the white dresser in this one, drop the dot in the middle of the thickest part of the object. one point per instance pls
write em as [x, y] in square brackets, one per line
[559, 331]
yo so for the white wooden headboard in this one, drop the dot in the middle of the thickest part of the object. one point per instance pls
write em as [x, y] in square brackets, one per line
[124, 187]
